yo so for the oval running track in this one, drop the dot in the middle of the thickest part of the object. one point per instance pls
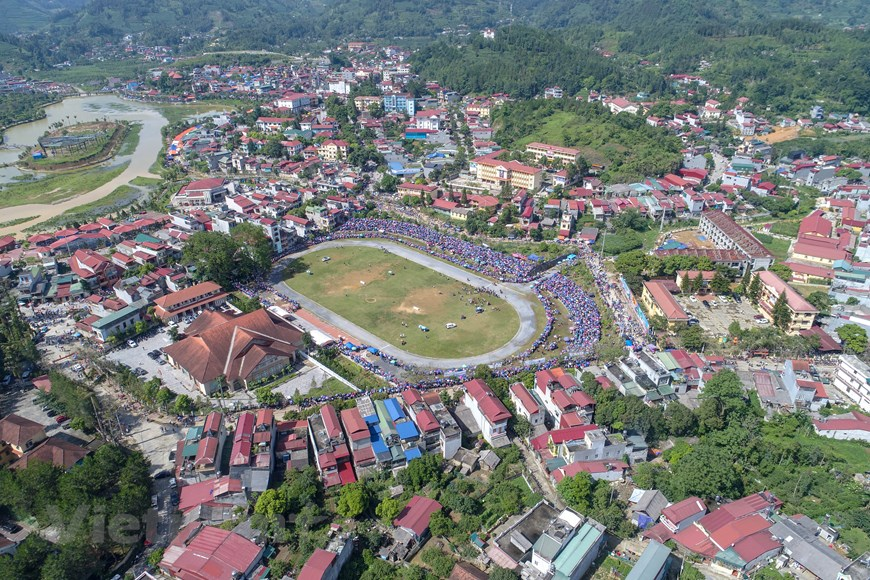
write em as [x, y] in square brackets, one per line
[519, 296]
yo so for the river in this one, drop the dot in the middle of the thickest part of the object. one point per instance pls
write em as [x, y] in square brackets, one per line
[73, 110]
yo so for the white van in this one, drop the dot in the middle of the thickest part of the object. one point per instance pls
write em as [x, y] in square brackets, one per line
[450, 325]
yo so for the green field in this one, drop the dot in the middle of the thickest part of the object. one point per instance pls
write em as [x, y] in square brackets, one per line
[414, 295]
[57, 186]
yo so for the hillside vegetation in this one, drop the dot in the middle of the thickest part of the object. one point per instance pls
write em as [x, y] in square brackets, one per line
[625, 144]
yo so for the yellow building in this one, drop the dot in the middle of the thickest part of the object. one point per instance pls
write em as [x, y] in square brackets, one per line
[495, 172]
[332, 150]
[544, 151]
[658, 301]
[803, 314]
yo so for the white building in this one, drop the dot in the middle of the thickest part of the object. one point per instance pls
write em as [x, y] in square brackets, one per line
[566, 549]
[489, 412]
[853, 379]
[527, 404]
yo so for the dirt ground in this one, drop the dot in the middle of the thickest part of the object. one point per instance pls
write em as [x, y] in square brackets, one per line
[780, 134]
[690, 238]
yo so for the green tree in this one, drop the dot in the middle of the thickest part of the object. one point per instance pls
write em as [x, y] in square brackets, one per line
[821, 301]
[854, 338]
[353, 500]
[183, 405]
[267, 397]
[706, 472]
[680, 420]
[754, 290]
[499, 573]
[734, 329]
[389, 509]
[389, 183]
[781, 313]
[155, 557]
[720, 284]
[577, 491]
[782, 271]
[218, 257]
[693, 338]
[440, 524]
[252, 239]
[272, 503]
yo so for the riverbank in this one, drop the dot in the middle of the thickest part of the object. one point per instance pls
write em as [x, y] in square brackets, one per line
[4, 128]
[104, 152]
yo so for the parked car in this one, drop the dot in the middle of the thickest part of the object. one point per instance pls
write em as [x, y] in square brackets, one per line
[60, 419]
[51, 412]
[10, 527]
[131, 343]
[162, 474]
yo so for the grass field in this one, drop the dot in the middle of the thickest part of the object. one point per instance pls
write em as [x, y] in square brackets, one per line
[414, 295]
[57, 186]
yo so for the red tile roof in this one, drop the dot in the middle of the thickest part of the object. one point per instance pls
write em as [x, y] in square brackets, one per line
[685, 509]
[415, 515]
[207, 553]
[795, 301]
[853, 421]
[671, 308]
[528, 402]
[491, 407]
[317, 565]
[354, 425]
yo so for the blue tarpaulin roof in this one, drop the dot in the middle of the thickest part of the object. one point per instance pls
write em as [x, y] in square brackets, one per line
[413, 453]
[407, 430]
[372, 350]
[394, 409]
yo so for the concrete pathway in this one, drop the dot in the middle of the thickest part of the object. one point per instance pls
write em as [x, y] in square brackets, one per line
[519, 296]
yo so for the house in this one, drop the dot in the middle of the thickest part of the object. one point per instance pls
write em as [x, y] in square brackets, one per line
[414, 517]
[359, 440]
[438, 429]
[209, 447]
[646, 506]
[527, 404]
[566, 547]
[564, 399]
[202, 552]
[331, 453]
[291, 445]
[327, 564]
[854, 425]
[804, 544]
[726, 234]
[94, 269]
[18, 436]
[212, 500]
[222, 351]
[399, 103]
[463, 570]
[803, 314]
[196, 298]
[488, 411]
[653, 563]
[55, 450]
[853, 379]
[681, 515]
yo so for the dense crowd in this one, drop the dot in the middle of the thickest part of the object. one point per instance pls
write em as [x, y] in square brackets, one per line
[504, 267]
[581, 307]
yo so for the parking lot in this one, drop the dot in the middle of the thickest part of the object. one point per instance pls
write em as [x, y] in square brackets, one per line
[716, 319]
[137, 358]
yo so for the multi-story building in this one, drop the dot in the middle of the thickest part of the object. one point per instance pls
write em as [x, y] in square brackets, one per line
[209, 449]
[853, 379]
[399, 103]
[439, 430]
[726, 234]
[564, 399]
[803, 314]
[193, 298]
[488, 411]
[596, 446]
[333, 150]
[359, 438]
[527, 404]
[544, 151]
[566, 548]
[203, 192]
[95, 269]
[494, 172]
[331, 452]
[658, 301]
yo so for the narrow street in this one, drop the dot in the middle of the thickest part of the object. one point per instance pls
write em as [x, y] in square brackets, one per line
[539, 478]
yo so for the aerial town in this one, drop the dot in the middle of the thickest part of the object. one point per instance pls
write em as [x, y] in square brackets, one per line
[340, 320]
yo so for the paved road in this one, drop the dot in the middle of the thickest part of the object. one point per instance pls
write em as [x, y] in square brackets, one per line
[519, 296]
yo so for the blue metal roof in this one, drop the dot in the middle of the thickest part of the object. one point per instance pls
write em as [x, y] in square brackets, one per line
[407, 430]
[378, 445]
[394, 409]
[412, 453]
[372, 420]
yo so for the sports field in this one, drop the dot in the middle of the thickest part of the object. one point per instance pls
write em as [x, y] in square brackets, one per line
[357, 284]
